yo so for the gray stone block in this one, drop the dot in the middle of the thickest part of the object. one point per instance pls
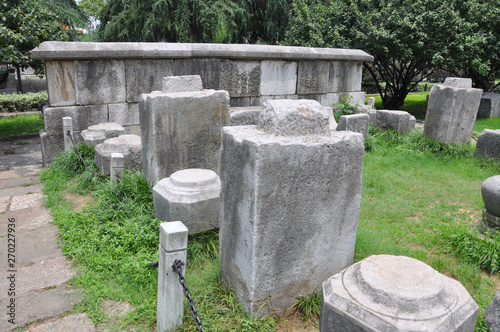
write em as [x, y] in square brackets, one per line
[270, 233]
[145, 75]
[413, 123]
[100, 82]
[124, 114]
[128, 145]
[190, 195]
[490, 190]
[345, 76]
[181, 83]
[294, 117]
[244, 116]
[373, 117]
[489, 106]
[451, 113]
[278, 78]
[492, 314]
[328, 99]
[313, 77]
[359, 123]
[82, 116]
[458, 82]
[52, 144]
[99, 133]
[60, 76]
[488, 144]
[245, 101]
[182, 130]
[241, 78]
[210, 70]
[397, 120]
[395, 293]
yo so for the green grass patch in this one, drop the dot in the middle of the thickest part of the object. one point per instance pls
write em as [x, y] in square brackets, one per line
[420, 198]
[415, 104]
[20, 125]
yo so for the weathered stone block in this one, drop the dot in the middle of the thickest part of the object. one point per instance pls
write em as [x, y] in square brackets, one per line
[451, 113]
[397, 120]
[82, 116]
[93, 137]
[210, 70]
[241, 78]
[52, 144]
[294, 117]
[357, 97]
[492, 314]
[244, 116]
[489, 106]
[145, 75]
[490, 190]
[278, 78]
[413, 123]
[245, 101]
[99, 133]
[128, 145]
[373, 117]
[269, 230]
[124, 114]
[345, 76]
[359, 123]
[181, 83]
[395, 293]
[488, 144]
[328, 99]
[458, 82]
[182, 130]
[313, 77]
[191, 195]
[100, 82]
[61, 82]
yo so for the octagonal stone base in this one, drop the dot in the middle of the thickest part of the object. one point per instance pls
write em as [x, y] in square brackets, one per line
[395, 293]
[128, 145]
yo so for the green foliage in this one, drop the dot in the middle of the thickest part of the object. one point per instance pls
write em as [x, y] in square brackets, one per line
[408, 39]
[309, 306]
[28, 102]
[344, 108]
[20, 125]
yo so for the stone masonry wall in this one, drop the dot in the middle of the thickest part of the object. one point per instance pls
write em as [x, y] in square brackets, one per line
[108, 78]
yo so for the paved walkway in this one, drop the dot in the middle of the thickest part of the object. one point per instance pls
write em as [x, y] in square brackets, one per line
[34, 271]
[30, 84]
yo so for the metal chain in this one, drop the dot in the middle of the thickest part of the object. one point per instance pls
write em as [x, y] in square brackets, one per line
[177, 268]
[81, 158]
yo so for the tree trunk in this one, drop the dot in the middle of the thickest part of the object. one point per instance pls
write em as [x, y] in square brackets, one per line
[19, 82]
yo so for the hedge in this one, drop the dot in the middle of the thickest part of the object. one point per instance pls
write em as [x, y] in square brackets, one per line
[22, 102]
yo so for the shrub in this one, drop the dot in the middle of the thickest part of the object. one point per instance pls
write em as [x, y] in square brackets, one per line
[27, 102]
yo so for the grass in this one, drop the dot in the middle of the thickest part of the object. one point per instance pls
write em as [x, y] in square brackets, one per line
[415, 104]
[419, 199]
[20, 125]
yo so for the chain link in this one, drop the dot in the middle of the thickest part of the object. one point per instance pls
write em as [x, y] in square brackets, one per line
[177, 268]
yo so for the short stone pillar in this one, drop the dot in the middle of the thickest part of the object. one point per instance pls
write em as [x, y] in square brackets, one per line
[290, 197]
[128, 145]
[488, 144]
[191, 195]
[371, 102]
[173, 246]
[451, 111]
[67, 126]
[99, 133]
[181, 130]
[489, 106]
[397, 120]
[116, 167]
[490, 190]
[395, 293]
[359, 123]
[492, 314]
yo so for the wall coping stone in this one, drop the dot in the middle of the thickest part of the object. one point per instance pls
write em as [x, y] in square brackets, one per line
[53, 50]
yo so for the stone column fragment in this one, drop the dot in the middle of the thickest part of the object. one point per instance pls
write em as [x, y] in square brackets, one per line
[173, 245]
[67, 126]
[290, 196]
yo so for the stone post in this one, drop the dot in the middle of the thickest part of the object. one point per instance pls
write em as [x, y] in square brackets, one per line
[289, 204]
[116, 167]
[371, 102]
[67, 125]
[173, 245]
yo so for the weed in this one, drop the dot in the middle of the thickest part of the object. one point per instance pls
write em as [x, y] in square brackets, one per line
[22, 143]
[309, 306]
[344, 108]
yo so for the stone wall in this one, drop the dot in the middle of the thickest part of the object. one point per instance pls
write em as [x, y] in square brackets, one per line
[108, 78]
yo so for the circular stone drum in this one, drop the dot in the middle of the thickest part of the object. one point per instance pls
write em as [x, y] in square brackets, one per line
[490, 189]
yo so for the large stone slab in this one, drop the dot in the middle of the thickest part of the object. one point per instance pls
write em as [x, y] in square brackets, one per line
[82, 117]
[345, 76]
[313, 77]
[210, 71]
[181, 83]
[395, 293]
[145, 75]
[458, 82]
[241, 78]
[359, 123]
[489, 106]
[61, 85]
[190, 195]
[128, 145]
[289, 210]
[397, 120]
[100, 82]
[492, 314]
[278, 78]
[488, 144]
[124, 114]
[244, 116]
[182, 130]
[451, 113]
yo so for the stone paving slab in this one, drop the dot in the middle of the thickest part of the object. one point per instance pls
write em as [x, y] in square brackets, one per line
[74, 323]
[27, 219]
[22, 190]
[31, 247]
[20, 160]
[4, 203]
[9, 183]
[21, 171]
[36, 306]
[26, 201]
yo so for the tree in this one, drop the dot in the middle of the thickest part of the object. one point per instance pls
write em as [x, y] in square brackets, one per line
[408, 38]
[92, 9]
